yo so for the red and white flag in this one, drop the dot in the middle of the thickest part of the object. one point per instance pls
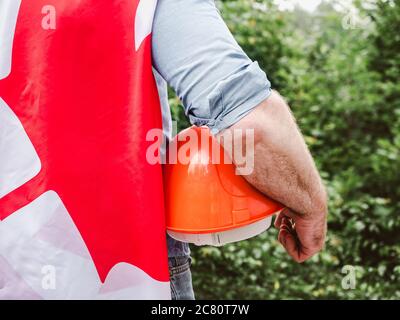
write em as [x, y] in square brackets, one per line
[81, 210]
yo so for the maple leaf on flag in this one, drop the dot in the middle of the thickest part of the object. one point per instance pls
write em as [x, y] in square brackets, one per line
[86, 99]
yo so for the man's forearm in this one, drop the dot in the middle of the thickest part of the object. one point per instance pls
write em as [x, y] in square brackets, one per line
[283, 166]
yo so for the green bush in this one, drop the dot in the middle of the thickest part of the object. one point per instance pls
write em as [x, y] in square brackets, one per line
[342, 85]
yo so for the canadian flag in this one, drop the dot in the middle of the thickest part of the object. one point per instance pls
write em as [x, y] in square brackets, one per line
[81, 210]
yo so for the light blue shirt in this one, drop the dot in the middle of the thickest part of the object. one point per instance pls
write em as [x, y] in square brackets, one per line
[195, 53]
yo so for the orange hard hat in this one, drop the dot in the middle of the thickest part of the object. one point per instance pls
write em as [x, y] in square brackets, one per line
[206, 201]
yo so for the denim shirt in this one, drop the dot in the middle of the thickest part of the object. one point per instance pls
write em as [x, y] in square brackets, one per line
[195, 53]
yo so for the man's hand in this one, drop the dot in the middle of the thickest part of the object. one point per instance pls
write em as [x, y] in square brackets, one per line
[302, 237]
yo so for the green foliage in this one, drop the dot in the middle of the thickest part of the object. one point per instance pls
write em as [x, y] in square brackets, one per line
[342, 85]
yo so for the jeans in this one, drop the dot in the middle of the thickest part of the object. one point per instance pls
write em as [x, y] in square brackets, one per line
[181, 278]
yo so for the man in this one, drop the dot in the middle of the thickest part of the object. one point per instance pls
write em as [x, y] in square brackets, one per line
[81, 208]
[222, 88]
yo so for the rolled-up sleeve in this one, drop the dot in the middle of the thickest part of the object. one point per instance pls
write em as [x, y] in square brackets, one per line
[194, 51]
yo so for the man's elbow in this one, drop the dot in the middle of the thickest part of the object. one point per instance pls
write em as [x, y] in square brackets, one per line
[269, 117]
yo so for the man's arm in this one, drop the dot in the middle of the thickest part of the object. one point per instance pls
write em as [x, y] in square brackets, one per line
[285, 171]
[222, 88]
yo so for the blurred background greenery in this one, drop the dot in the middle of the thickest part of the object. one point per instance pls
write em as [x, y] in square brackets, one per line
[339, 68]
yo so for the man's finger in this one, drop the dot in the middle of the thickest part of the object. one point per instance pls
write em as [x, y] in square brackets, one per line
[291, 246]
[278, 219]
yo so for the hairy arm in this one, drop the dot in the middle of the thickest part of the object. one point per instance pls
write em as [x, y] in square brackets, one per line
[285, 171]
[219, 87]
